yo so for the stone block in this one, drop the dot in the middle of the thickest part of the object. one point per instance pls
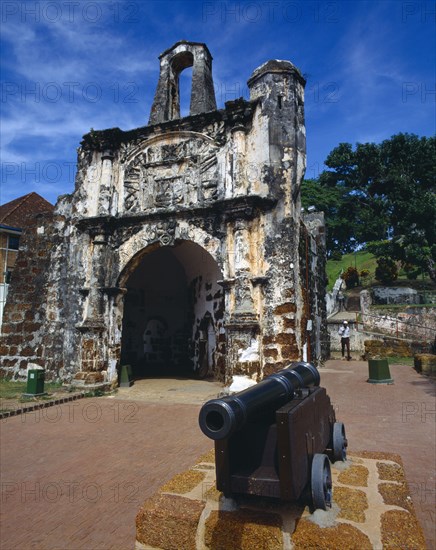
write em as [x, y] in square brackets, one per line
[31, 327]
[271, 368]
[17, 316]
[309, 536]
[27, 351]
[94, 378]
[287, 307]
[169, 521]
[288, 323]
[284, 338]
[425, 363]
[244, 530]
[271, 352]
[401, 529]
[290, 352]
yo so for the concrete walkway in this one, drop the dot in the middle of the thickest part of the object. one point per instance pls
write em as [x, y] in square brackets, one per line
[75, 475]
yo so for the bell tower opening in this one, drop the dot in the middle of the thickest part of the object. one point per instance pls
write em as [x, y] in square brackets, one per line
[185, 87]
[173, 313]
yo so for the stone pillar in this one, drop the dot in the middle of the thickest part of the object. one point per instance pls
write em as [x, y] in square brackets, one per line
[203, 93]
[242, 326]
[243, 299]
[104, 194]
[240, 184]
[115, 298]
[93, 328]
[94, 309]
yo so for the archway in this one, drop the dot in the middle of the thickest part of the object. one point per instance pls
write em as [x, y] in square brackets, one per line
[173, 312]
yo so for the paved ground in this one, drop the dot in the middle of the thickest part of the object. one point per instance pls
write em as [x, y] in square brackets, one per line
[74, 475]
[175, 390]
[398, 418]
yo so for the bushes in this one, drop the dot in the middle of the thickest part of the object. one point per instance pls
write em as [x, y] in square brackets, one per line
[351, 277]
[386, 271]
[411, 272]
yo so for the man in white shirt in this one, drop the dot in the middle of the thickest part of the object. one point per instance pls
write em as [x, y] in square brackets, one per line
[344, 333]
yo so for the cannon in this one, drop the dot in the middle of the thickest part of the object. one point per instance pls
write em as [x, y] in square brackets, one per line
[275, 439]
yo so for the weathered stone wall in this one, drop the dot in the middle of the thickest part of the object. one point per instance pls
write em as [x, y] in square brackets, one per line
[219, 191]
[393, 347]
[314, 279]
[395, 295]
[417, 323]
[25, 310]
[24, 337]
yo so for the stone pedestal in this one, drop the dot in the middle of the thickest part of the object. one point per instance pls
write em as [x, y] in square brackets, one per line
[425, 363]
[371, 509]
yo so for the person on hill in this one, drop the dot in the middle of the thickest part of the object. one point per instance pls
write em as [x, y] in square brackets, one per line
[341, 301]
[344, 333]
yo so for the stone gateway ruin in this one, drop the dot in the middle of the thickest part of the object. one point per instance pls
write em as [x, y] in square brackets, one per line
[183, 247]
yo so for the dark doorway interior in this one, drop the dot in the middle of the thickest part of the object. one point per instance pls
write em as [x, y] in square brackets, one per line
[173, 313]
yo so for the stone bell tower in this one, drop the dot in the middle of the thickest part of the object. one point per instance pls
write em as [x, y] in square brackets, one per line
[166, 104]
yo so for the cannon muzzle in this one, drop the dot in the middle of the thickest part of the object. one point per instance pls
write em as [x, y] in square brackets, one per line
[219, 418]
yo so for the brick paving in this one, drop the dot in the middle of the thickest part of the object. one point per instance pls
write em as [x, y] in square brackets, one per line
[397, 418]
[75, 475]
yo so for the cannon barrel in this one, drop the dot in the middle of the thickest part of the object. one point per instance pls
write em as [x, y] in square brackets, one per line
[219, 418]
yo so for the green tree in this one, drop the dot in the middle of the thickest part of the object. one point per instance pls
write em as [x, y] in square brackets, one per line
[408, 184]
[385, 197]
[386, 271]
[330, 201]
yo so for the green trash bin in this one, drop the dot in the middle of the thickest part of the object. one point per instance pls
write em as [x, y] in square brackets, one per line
[379, 372]
[35, 381]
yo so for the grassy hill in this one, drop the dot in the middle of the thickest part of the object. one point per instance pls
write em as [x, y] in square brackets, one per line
[364, 260]
[359, 260]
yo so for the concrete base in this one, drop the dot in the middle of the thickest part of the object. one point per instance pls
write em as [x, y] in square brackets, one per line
[371, 508]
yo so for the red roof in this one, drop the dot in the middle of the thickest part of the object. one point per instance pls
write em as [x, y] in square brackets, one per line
[19, 212]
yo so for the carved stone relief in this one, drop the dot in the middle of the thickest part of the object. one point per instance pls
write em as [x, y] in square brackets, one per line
[181, 173]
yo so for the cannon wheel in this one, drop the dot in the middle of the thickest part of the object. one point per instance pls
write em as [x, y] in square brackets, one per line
[340, 442]
[321, 482]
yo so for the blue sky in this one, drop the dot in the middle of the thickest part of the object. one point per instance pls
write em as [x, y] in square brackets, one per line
[71, 65]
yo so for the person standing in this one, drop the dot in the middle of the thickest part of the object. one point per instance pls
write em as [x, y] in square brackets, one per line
[341, 301]
[344, 333]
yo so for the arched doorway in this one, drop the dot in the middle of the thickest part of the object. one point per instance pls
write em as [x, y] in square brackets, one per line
[173, 312]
